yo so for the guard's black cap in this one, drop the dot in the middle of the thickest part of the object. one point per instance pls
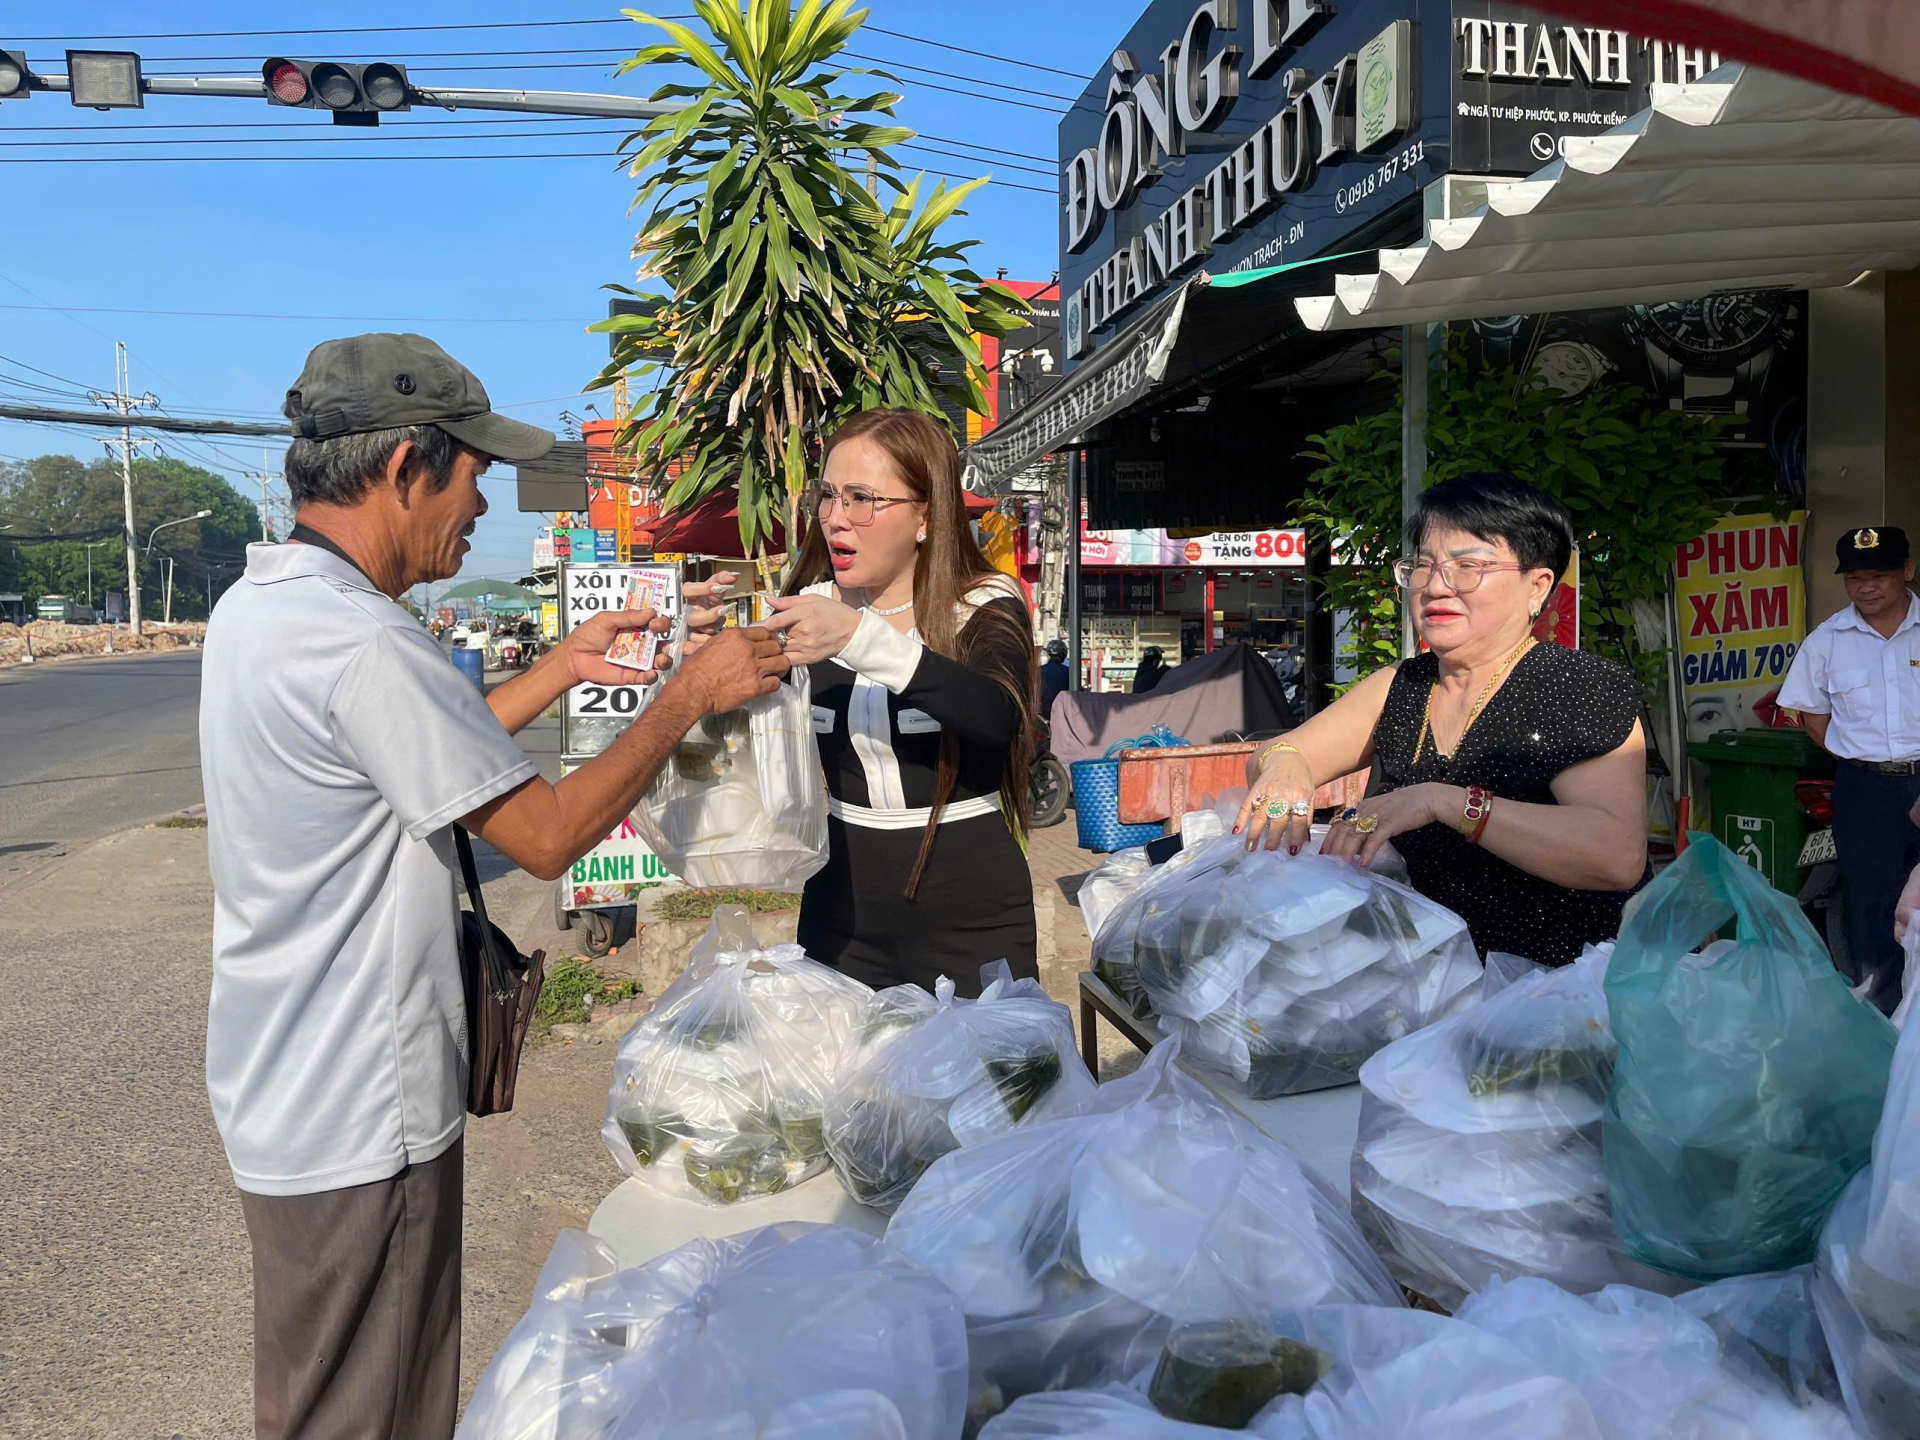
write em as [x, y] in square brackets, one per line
[1868, 548]
[381, 382]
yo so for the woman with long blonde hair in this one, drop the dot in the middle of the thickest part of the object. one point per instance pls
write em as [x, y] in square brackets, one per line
[920, 658]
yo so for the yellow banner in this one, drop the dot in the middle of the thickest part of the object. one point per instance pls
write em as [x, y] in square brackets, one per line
[1742, 601]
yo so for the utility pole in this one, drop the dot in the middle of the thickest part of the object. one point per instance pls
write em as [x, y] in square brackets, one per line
[125, 404]
[265, 476]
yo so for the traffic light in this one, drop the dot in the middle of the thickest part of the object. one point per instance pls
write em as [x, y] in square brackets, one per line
[16, 80]
[356, 94]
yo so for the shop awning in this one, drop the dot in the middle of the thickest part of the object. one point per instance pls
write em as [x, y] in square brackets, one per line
[1743, 180]
[1182, 340]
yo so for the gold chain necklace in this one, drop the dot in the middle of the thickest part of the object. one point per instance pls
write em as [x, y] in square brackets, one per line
[1486, 694]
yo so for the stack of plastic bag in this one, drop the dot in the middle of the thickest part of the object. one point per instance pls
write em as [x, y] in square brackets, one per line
[926, 1074]
[1478, 1152]
[742, 801]
[1748, 1079]
[1869, 1267]
[805, 1332]
[1153, 1222]
[1336, 1372]
[1722, 1363]
[1111, 883]
[1287, 972]
[720, 1092]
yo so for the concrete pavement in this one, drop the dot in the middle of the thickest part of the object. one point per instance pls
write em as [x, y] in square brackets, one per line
[125, 1292]
[92, 746]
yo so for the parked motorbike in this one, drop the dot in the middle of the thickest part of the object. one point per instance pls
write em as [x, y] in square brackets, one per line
[1822, 896]
[1049, 787]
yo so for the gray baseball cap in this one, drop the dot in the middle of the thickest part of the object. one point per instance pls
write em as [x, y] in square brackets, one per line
[381, 382]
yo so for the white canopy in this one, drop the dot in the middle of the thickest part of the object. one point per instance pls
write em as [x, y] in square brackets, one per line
[1743, 180]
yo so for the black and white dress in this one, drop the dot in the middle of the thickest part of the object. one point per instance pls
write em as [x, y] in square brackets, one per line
[880, 711]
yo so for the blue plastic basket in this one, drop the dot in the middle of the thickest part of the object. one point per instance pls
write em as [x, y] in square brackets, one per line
[1096, 797]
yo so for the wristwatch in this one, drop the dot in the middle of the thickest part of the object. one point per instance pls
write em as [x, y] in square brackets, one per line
[1572, 367]
[1497, 336]
[1712, 356]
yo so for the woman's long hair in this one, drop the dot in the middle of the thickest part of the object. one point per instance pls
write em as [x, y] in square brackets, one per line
[948, 566]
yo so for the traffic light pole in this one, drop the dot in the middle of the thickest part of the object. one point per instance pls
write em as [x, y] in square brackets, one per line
[531, 102]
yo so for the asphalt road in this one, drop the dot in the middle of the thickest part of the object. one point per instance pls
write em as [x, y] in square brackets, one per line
[92, 746]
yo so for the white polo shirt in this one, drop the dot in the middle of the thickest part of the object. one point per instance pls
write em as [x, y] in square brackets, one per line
[1868, 683]
[337, 746]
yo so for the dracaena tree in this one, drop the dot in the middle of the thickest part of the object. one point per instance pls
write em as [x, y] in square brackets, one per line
[792, 298]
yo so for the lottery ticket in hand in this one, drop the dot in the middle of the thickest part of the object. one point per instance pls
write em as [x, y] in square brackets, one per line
[646, 589]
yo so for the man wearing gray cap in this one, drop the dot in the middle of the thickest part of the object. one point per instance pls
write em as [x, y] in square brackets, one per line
[339, 748]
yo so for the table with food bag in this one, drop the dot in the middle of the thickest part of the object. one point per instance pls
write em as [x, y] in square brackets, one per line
[1639, 1182]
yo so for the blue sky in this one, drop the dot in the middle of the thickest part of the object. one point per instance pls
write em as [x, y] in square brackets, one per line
[520, 246]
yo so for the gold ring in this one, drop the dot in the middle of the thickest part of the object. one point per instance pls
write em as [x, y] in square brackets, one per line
[1367, 824]
[1276, 808]
[1347, 816]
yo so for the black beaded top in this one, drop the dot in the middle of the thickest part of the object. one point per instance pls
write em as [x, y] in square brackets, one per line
[1556, 708]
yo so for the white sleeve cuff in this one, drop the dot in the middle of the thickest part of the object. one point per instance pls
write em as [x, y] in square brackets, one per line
[882, 653]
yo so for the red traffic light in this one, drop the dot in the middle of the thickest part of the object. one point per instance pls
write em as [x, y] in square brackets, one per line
[356, 94]
[285, 82]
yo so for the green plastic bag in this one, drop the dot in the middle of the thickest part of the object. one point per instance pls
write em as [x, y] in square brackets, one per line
[1749, 1078]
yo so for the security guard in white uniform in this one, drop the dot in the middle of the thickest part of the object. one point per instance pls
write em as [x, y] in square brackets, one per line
[1856, 682]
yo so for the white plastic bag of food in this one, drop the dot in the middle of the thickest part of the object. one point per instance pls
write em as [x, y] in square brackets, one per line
[1872, 1322]
[926, 1074]
[1478, 1153]
[1330, 1372]
[1287, 972]
[1638, 1358]
[1776, 1375]
[1081, 1248]
[1733, 1360]
[742, 801]
[720, 1091]
[809, 1332]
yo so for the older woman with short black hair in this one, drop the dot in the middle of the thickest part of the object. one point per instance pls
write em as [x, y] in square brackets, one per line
[1509, 774]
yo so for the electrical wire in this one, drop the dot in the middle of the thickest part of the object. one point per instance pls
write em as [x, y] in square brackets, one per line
[507, 25]
[612, 56]
[80, 387]
[385, 125]
[371, 159]
[491, 135]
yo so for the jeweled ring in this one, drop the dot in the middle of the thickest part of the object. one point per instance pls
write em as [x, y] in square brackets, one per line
[1302, 808]
[1347, 816]
[1276, 808]
[1367, 824]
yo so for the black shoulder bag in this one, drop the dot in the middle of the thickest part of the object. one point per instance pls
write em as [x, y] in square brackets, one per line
[502, 986]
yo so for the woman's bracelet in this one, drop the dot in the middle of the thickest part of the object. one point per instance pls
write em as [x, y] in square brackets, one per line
[1262, 755]
[1473, 819]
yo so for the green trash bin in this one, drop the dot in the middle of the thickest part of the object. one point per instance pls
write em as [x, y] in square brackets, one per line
[1751, 775]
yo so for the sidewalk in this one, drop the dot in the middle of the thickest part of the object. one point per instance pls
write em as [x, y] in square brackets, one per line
[125, 1312]
[125, 1309]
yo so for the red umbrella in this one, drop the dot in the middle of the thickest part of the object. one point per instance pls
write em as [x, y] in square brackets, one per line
[1864, 47]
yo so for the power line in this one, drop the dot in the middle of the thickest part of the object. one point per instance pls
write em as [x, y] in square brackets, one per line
[975, 94]
[373, 138]
[79, 386]
[389, 124]
[613, 54]
[357, 159]
[508, 25]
